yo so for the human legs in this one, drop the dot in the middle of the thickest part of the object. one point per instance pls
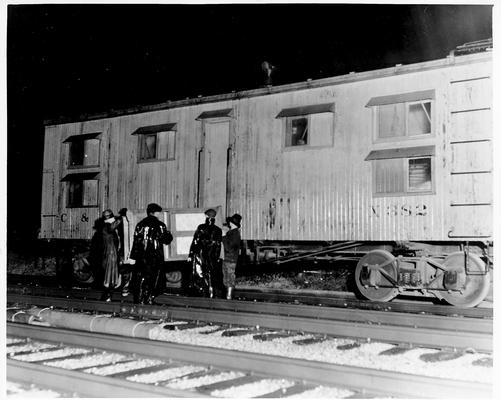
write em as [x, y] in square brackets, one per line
[229, 277]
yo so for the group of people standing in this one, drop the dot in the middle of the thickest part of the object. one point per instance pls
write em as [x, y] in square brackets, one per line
[213, 253]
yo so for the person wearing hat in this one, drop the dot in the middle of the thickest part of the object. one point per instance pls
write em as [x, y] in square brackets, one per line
[147, 254]
[107, 244]
[204, 254]
[231, 246]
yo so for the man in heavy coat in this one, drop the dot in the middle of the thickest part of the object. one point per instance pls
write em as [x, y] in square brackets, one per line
[147, 254]
[231, 246]
[204, 252]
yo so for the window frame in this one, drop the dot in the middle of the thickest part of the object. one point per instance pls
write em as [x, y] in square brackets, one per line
[406, 136]
[141, 142]
[85, 137]
[306, 111]
[70, 181]
[288, 132]
[405, 165]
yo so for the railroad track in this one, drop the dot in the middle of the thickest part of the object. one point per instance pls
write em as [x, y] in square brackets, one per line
[391, 327]
[168, 366]
[46, 286]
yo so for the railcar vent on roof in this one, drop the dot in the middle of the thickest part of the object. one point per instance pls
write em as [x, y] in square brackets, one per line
[80, 176]
[223, 113]
[155, 128]
[385, 154]
[85, 136]
[306, 110]
[401, 98]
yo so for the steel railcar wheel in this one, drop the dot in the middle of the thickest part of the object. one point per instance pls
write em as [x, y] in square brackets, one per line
[81, 269]
[476, 285]
[375, 258]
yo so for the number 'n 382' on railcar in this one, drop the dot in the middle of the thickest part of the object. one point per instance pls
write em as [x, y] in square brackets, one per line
[398, 160]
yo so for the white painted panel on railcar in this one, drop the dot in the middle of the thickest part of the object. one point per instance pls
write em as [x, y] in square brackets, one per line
[471, 125]
[471, 188]
[471, 94]
[470, 221]
[188, 221]
[472, 157]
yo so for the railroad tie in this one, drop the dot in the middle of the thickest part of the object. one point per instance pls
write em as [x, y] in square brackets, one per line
[440, 356]
[143, 370]
[243, 380]
[396, 350]
[238, 332]
[264, 337]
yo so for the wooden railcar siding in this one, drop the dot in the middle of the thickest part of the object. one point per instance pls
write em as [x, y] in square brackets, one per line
[293, 193]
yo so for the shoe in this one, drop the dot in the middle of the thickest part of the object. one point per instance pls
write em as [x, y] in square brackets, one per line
[108, 299]
[229, 295]
[125, 293]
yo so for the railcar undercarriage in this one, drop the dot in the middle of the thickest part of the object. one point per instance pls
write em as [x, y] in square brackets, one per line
[459, 274]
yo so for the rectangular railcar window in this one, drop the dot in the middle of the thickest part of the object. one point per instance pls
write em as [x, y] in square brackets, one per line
[297, 131]
[419, 118]
[84, 153]
[157, 146]
[403, 176]
[82, 193]
[390, 176]
[392, 120]
[420, 174]
[404, 119]
[148, 147]
[309, 126]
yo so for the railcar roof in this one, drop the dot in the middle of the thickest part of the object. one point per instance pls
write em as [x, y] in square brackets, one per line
[399, 69]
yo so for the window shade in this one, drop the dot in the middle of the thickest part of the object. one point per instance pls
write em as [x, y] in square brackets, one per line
[155, 128]
[306, 110]
[401, 153]
[401, 98]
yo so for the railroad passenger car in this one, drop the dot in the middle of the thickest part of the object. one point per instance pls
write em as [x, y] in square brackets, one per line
[393, 164]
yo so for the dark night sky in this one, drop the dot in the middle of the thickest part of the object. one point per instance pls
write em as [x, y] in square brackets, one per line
[66, 60]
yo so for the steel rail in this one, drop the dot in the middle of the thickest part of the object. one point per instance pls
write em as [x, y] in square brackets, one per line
[353, 315]
[328, 299]
[84, 384]
[416, 312]
[362, 379]
[348, 300]
[312, 322]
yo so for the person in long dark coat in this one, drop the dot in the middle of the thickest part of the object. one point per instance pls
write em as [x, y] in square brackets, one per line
[147, 254]
[110, 245]
[231, 247]
[205, 251]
